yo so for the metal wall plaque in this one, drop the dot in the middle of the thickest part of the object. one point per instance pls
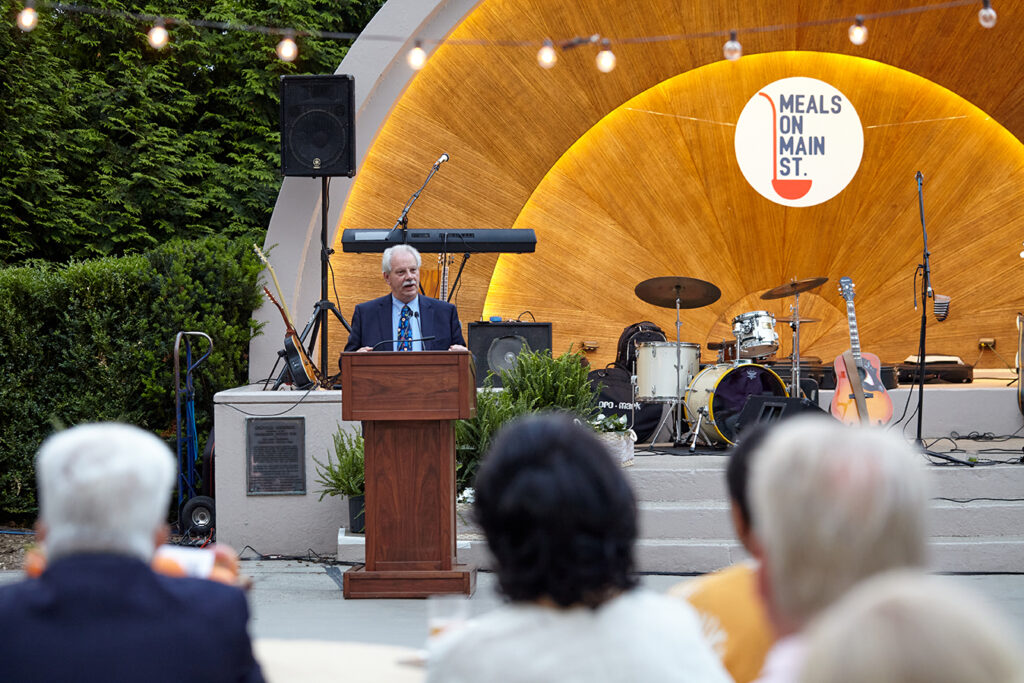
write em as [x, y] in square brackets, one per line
[275, 455]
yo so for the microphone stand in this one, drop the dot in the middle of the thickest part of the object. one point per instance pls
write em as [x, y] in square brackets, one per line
[403, 220]
[926, 293]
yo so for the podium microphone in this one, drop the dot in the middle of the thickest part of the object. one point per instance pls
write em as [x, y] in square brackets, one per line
[441, 159]
[392, 341]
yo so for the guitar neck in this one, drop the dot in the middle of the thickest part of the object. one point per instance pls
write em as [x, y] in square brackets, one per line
[851, 318]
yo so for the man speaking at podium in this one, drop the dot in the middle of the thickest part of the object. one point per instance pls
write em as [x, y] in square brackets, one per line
[404, 320]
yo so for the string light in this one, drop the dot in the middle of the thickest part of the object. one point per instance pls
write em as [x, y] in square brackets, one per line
[287, 50]
[546, 55]
[158, 35]
[605, 58]
[987, 15]
[417, 57]
[858, 32]
[28, 17]
[27, 20]
[732, 50]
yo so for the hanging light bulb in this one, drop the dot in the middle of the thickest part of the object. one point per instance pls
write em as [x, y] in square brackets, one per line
[417, 57]
[546, 55]
[987, 15]
[605, 58]
[28, 17]
[732, 50]
[287, 50]
[859, 32]
[158, 35]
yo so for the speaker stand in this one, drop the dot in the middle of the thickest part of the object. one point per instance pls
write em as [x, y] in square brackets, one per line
[318, 321]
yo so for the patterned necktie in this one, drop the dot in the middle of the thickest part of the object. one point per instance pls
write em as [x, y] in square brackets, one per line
[405, 330]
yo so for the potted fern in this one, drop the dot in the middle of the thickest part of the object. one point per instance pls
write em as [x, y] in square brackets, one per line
[536, 382]
[345, 475]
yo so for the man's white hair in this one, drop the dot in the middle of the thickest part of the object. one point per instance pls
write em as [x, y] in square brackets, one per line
[833, 505]
[908, 627]
[103, 488]
[385, 261]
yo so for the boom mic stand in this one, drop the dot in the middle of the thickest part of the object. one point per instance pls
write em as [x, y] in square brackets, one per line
[926, 293]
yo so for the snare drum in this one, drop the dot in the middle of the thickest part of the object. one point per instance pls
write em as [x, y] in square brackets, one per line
[656, 369]
[756, 334]
[721, 391]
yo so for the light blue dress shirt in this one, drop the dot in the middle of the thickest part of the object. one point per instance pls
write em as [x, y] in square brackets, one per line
[414, 322]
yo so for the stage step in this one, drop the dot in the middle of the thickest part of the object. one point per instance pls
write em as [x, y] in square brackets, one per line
[976, 522]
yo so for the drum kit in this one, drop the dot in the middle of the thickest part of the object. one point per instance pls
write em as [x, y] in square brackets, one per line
[710, 400]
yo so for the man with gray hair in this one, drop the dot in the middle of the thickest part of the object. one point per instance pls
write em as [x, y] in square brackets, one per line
[98, 612]
[404, 320]
[832, 505]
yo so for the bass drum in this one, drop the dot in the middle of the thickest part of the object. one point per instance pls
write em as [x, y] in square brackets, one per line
[719, 392]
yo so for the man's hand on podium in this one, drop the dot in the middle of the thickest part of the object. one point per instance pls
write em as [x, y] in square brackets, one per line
[457, 347]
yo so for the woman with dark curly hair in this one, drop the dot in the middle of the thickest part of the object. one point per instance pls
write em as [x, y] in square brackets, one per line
[561, 520]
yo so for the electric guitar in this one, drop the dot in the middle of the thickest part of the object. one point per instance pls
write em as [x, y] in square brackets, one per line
[860, 395]
[304, 373]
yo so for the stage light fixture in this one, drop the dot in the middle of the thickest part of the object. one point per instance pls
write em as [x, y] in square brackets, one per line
[986, 15]
[28, 17]
[732, 50]
[417, 57]
[158, 35]
[605, 59]
[858, 32]
[546, 55]
[287, 50]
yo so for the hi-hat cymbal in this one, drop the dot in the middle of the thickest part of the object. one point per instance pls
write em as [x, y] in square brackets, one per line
[803, 321]
[794, 287]
[691, 292]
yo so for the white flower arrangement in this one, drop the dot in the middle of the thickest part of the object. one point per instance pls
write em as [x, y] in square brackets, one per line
[611, 424]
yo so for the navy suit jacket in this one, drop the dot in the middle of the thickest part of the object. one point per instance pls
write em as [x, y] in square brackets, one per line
[110, 618]
[371, 324]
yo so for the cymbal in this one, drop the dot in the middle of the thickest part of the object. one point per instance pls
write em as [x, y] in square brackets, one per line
[794, 287]
[691, 292]
[803, 321]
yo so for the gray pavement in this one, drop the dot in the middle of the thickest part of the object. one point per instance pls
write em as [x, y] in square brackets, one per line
[303, 600]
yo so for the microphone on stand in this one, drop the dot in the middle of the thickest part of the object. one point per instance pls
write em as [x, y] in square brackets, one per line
[941, 307]
[392, 341]
[441, 159]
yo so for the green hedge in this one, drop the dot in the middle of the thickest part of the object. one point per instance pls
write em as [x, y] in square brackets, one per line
[94, 341]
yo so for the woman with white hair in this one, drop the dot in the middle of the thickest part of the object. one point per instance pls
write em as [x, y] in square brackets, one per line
[908, 627]
[832, 506]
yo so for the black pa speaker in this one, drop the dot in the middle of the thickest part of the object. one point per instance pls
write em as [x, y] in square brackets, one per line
[495, 345]
[760, 409]
[318, 126]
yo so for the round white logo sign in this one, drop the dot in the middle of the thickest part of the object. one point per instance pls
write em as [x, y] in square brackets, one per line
[799, 141]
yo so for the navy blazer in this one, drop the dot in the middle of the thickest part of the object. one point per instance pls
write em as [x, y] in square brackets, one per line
[110, 618]
[371, 324]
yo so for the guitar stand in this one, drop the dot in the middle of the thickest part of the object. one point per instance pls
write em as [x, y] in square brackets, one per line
[312, 327]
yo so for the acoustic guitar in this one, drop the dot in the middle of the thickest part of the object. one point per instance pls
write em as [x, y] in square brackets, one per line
[860, 396]
[303, 371]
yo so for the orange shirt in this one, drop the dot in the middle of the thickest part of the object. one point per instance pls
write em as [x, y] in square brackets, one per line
[732, 617]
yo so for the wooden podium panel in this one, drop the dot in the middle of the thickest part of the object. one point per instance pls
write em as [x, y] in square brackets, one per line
[408, 403]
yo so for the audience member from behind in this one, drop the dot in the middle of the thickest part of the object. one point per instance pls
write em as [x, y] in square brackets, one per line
[730, 608]
[832, 506]
[561, 520]
[908, 627]
[98, 612]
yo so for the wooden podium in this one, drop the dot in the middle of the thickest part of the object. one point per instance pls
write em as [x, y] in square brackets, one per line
[408, 403]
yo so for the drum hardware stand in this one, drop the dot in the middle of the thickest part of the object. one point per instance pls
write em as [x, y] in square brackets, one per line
[794, 376]
[701, 413]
